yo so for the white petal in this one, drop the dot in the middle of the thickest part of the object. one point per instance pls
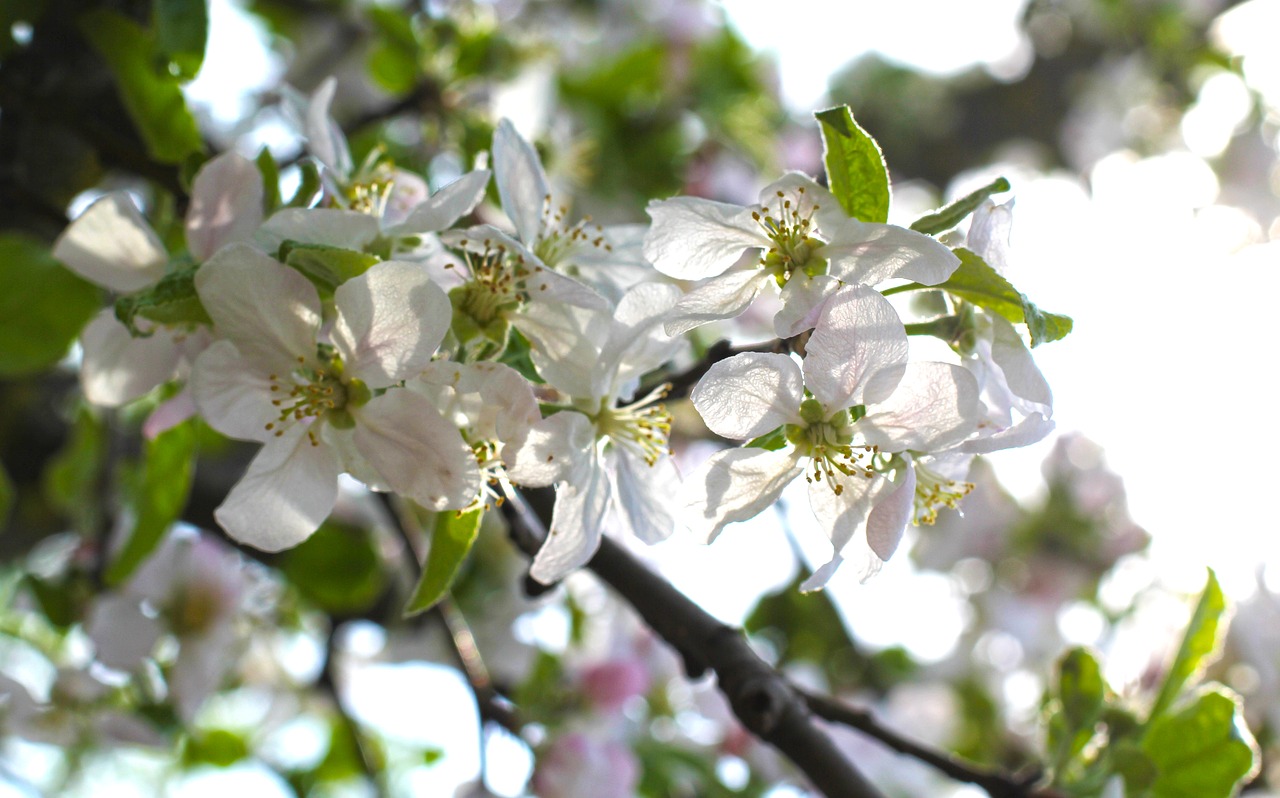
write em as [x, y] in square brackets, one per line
[545, 285]
[416, 451]
[636, 344]
[1020, 371]
[170, 413]
[869, 254]
[390, 321]
[110, 244]
[806, 196]
[693, 238]
[644, 494]
[565, 344]
[285, 495]
[325, 139]
[576, 526]
[226, 204]
[233, 397]
[1029, 430]
[844, 518]
[522, 185]
[989, 233]
[803, 299]
[269, 311]
[858, 334]
[721, 297]
[117, 367]
[330, 227]
[202, 664]
[446, 206]
[734, 485]
[889, 518]
[934, 406]
[554, 450]
[747, 395]
[496, 401]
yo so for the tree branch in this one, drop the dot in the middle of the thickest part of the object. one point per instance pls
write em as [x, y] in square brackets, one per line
[763, 700]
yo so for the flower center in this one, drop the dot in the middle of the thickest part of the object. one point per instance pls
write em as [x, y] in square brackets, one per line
[828, 443]
[370, 195]
[790, 231]
[312, 392]
[643, 425]
[559, 237]
[934, 491]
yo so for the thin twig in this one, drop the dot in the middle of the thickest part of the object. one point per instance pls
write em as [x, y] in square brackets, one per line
[997, 783]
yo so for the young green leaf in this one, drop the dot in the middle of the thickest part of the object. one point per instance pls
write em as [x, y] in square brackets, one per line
[152, 96]
[772, 441]
[1203, 750]
[949, 216]
[327, 267]
[43, 306]
[173, 300]
[1200, 644]
[977, 282]
[856, 171]
[451, 541]
[160, 495]
[338, 568]
[1081, 696]
[72, 481]
[182, 29]
[270, 182]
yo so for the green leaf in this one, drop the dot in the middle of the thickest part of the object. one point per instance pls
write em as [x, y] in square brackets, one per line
[218, 747]
[1081, 696]
[949, 216]
[162, 490]
[173, 300]
[856, 171]
[772, 441]
[43, 306]
[308, 185]
[151, 96]
[1203, 750]
[977, 282]
[7, 494]
[338, 568]
[327, 267]
[451, 541]
[1200, 643]
[72, 479]
[182, 29]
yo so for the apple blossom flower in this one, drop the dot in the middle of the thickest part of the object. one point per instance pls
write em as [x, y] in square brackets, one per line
[856, 418]
[320, 407]
[607, 258]
[111, 245]
[580, 765]
[809, 248]
[604, 449]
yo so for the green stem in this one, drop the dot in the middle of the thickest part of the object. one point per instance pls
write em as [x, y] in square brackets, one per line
[898, 289]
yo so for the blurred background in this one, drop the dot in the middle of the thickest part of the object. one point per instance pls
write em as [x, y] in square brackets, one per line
[1140, 138]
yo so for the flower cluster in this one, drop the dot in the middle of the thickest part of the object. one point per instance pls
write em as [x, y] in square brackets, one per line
[449, 351]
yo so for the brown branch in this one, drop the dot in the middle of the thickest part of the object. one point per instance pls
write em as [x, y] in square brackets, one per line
[997, 783]
[762, 698]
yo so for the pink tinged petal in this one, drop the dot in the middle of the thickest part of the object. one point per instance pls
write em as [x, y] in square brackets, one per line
[692, 238]
[419, 454]
[869, 254]
[522, 185]
[446, 206]
[556, 449]
[288, 491]
[819, 578]
[110, 244]
[858, 334]
[1020, 371]
[123, 636]
[408, 191]
[117, 367]
[233, 397]
[935, 406]
[325, 139]
[747, 395]
[330, 227]
[722, 297]
[202, 665]
[577, 522]
[226, 204]
[803, 299]
[170, 413]
[269, 311]
[734, 485]
[644, 494]
[390, 321]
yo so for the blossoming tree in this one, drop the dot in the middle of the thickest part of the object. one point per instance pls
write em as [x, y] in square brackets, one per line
[461, 395]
